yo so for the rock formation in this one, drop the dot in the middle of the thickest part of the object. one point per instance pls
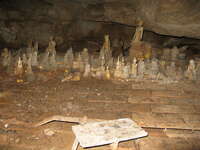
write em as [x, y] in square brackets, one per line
[39, 19]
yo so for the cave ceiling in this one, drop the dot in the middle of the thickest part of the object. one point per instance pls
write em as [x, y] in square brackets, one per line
[21, 19]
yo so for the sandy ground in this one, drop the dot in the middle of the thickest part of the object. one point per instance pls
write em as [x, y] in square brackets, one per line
[169, 113]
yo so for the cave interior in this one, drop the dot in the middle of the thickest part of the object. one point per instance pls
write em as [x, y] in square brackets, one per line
[67, 61]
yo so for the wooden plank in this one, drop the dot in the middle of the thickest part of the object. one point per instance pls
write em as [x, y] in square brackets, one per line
[189, 121]
[190, 117]
[4, 139]
[115, 107]
[180, 144]
[141, 100]
[182, 133]
[115, 101]
[160, 120]
[162, 108]
[140, 93]
[194, 125]
[161, 100]
[197, 108]
[194, 141]
[139, 108]
[155, 143]
[196, 100]
[178, 101]
[160, 143]
[107, 115]
[170, 94]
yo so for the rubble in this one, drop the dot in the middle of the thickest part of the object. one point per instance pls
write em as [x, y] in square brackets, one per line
[49, 132]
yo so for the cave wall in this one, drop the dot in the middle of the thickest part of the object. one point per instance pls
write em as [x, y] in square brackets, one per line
[69, 20]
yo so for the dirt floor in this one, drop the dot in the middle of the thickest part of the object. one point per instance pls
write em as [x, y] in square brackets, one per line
[169, 113]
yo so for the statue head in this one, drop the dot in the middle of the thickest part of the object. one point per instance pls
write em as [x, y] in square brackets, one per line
[106, 37]
[51, 38]
[139, 22]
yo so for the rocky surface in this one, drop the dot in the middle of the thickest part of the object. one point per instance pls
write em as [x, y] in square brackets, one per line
[75, 19]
